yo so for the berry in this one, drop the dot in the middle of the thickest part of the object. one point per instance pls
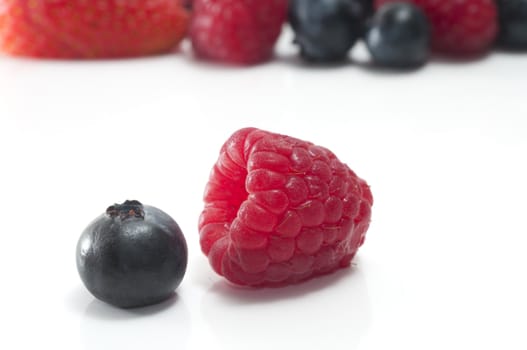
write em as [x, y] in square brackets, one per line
[399, 36]
[133, 255]
[279, 210]
[326, 30]
[236, 31]
[463, 28]
[90, 29]
[513, 23]
[368, 8]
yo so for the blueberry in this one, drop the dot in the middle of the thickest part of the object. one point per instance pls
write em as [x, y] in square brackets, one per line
[326, 30]
[513, 23]
[133, 255]
[399, 36]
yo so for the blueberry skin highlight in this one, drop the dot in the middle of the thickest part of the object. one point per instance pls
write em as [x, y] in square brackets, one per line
[326, 30]
[133, 255]
[513, 24]
[399, 36]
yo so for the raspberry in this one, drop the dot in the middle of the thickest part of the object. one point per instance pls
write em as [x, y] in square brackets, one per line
[279, 210]
[237, 31]
[467, 27]
[90, 29]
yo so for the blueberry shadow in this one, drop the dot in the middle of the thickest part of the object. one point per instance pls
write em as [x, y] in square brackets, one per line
[239, 295]
[103, 311]
[296, 61]
[162, 326]
[78, 298]
[370, 67]
[365, 64]
[512, 51]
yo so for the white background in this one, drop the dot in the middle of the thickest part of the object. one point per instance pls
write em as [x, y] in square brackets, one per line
[443, 148]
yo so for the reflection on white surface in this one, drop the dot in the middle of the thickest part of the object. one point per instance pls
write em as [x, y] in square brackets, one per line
[165, 325]
[326, 313]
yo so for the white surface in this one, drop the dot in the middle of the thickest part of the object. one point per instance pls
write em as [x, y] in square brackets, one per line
[443, 149]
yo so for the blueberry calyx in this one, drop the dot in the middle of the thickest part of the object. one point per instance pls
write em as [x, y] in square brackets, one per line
[128, 209]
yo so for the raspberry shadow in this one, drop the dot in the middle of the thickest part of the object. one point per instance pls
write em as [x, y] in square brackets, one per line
[327, 311]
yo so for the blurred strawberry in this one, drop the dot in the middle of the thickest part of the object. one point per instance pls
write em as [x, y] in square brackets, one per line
[90, 29]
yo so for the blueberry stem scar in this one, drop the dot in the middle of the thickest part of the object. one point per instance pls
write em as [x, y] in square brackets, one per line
[128, 209]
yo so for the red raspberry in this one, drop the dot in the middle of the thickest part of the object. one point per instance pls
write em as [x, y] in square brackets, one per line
[279, 210]
[90, 29]
[467, 27]
[237, 31]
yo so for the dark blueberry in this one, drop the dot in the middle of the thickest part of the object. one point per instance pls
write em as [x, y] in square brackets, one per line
[367, 8]
[513, 23]
[326, 30]
[399, 36]
[133, 255]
